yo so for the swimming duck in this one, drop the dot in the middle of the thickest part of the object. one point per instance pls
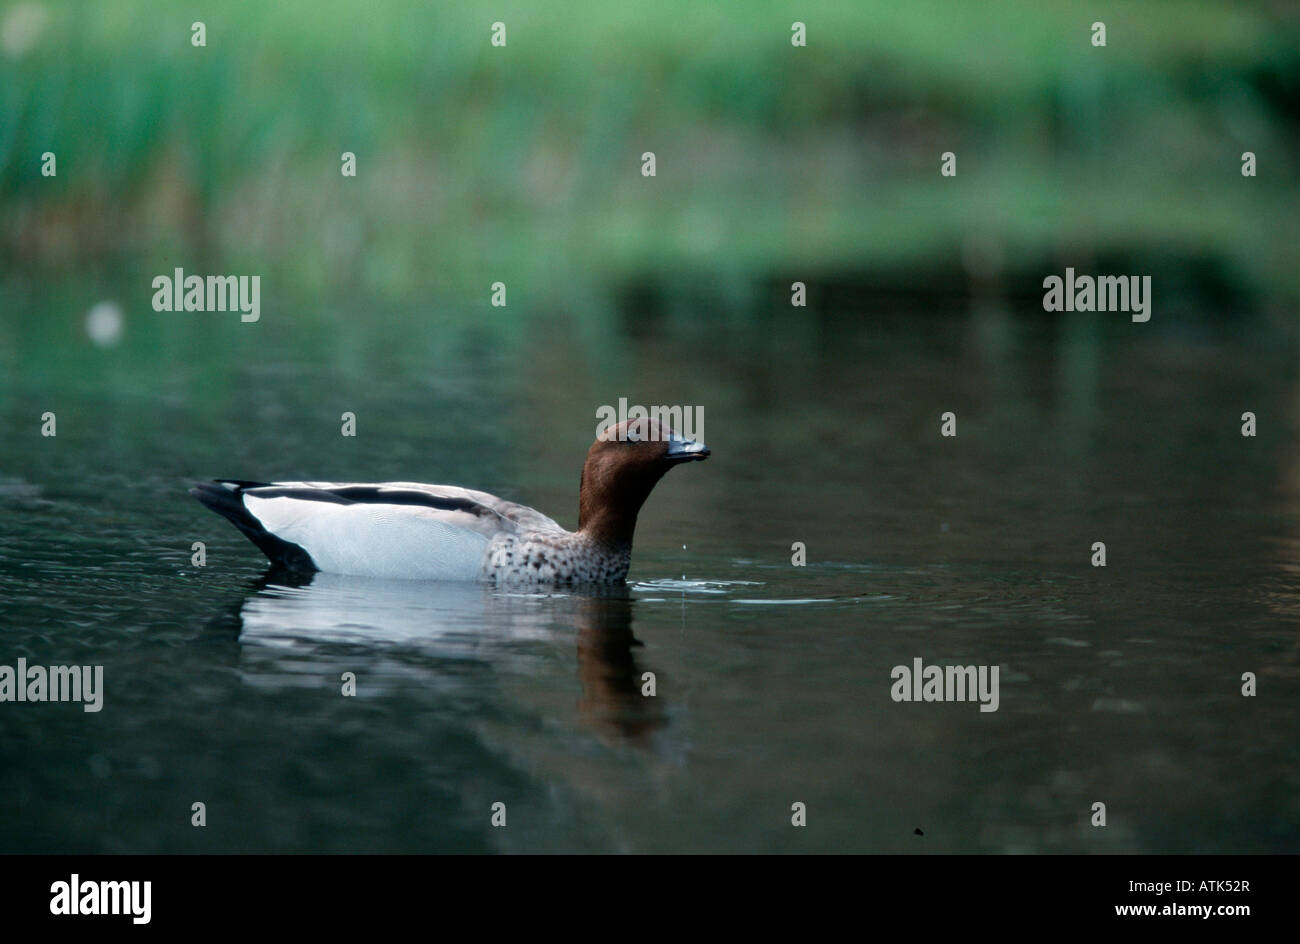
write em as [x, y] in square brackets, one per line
[444, 532]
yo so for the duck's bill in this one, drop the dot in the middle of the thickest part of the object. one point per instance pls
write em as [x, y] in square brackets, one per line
[684, 450]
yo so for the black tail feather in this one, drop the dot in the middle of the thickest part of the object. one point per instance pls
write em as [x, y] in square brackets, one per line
[229, 503]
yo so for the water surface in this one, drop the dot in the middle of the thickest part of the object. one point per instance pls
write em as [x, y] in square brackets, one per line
[1119, 685]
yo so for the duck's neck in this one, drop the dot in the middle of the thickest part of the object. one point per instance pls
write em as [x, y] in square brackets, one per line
[607, 528]
[607, 510]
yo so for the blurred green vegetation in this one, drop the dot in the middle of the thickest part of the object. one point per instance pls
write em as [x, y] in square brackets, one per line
[522, 164]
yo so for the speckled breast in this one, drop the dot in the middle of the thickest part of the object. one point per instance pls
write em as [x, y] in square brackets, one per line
[551, 559]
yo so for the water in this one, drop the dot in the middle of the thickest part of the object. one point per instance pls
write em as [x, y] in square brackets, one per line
[1119, 685]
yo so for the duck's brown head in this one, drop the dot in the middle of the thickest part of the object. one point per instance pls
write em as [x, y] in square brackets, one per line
[622, 467]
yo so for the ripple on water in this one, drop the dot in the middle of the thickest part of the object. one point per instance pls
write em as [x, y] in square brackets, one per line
[716, 587]
[784, 602]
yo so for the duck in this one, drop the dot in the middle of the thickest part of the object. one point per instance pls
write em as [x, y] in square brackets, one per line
[408, 530]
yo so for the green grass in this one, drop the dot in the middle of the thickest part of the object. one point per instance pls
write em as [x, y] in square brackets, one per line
[522, 163]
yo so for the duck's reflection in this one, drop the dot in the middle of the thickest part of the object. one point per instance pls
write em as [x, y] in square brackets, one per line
[298, 630]
[618, 696]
